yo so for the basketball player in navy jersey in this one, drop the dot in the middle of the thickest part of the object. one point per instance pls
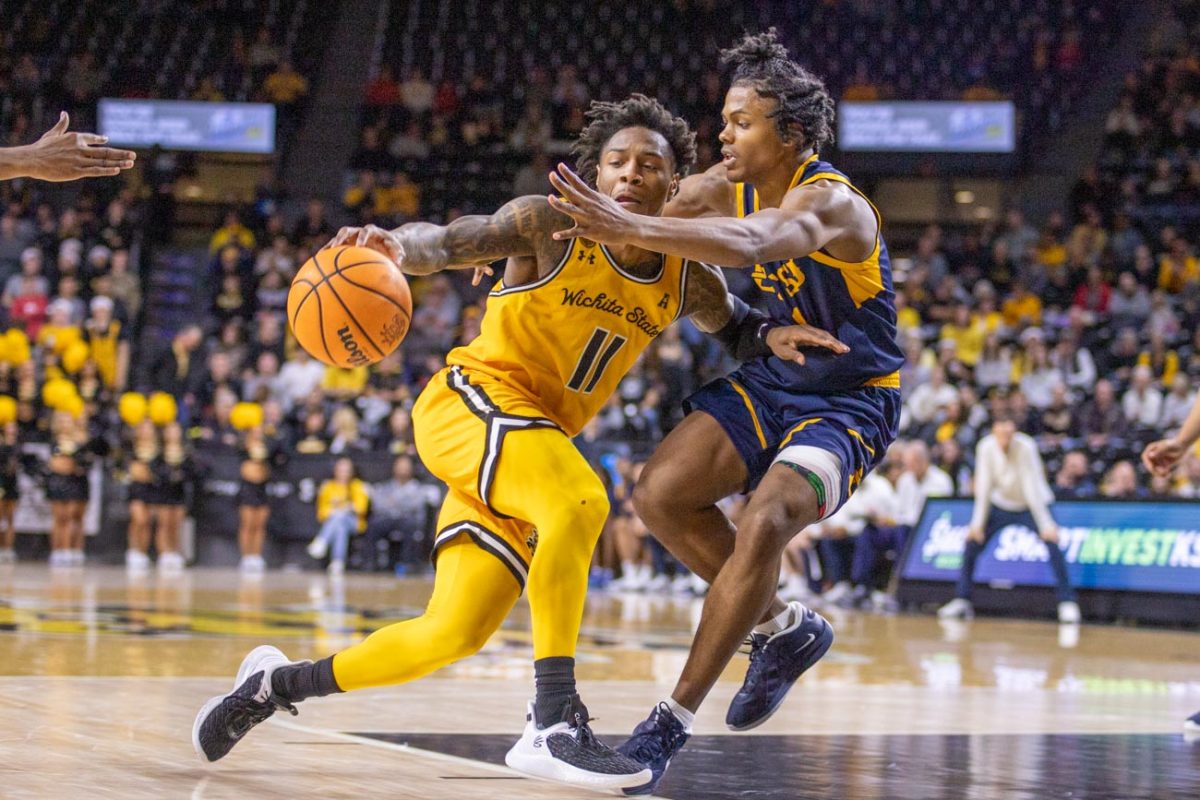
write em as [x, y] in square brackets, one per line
[801, 433]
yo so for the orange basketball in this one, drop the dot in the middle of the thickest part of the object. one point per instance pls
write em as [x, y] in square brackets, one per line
[349, 306]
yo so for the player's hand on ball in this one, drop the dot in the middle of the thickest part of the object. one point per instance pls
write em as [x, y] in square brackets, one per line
[1161, 456]
[786, 342]
[372, 237]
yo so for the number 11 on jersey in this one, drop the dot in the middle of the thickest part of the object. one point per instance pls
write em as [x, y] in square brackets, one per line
[600, 349]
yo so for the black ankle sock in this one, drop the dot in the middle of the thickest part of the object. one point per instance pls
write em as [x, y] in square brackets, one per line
[555, 681]
[297, 682]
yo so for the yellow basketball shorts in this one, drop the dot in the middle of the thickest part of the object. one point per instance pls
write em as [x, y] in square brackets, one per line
[460, 422]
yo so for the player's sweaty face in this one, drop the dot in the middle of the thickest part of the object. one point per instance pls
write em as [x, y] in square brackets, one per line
[637, 169]
[751, 147]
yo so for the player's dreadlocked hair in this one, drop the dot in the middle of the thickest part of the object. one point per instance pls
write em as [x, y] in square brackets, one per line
[761, 62]
[637, 110]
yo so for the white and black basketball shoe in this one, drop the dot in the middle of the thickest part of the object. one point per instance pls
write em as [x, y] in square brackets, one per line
[568, 752]
[225, 719]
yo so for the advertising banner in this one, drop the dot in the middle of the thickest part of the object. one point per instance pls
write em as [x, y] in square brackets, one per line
[189, 125]
[927, 127]
[1120, 546]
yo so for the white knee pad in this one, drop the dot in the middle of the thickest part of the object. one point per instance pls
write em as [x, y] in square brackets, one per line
[825, 465]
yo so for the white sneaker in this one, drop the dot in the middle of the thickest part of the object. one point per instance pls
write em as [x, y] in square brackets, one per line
[658, 583]
[837, 592]
[136, 560]
[59, 558]
[796, 588]
[1068, 613]
[630, 581]
[958, 608]
[318, 548]
[7, 556]
[225, 719]
[884, 602]
[171, 562]
[1191, 725]
[572, 754]
[682, 584]
[337, 567]
[253, 565]
[76, 558]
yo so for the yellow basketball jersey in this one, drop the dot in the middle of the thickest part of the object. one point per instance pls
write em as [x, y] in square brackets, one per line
[566, 340]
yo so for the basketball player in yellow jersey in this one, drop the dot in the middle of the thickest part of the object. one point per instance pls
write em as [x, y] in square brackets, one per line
[524, 509]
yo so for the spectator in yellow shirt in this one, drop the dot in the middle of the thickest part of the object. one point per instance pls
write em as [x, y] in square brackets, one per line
[1023, 308]
[967, 331]
[1178, 269]
[1049, 251]
[233, 232]
[342, 382]
[58, 333]
[342, 511]
[285, 86]
[402, 198]
[362, 194]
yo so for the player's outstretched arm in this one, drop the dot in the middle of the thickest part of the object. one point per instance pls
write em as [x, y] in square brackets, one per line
[1161, 457]
[521, 227]
[808, 220]
[63, 156]
[745, 332]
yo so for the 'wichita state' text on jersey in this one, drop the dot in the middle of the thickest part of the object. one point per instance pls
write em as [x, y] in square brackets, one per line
[566, 339]
[852, 300]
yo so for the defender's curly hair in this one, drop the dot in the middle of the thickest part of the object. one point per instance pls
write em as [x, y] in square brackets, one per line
[637, 110]
[762, 63]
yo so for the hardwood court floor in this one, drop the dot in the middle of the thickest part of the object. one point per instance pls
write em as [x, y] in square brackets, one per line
[101, 674]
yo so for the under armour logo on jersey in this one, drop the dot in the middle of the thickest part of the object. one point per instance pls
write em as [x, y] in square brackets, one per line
[665, 301]
[591, 257]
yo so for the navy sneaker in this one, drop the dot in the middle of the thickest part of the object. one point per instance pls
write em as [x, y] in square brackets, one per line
[654, 742]
[1191, 727]
[776, 662]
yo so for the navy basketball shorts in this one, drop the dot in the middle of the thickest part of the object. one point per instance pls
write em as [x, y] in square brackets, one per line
[837, 437]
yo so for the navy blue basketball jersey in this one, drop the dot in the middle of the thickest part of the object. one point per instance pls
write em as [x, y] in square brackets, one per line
[853, 301]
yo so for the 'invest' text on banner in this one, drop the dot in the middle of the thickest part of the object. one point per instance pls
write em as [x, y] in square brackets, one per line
[1124, 546]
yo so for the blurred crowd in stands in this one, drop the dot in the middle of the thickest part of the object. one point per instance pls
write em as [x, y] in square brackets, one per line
[470, 101]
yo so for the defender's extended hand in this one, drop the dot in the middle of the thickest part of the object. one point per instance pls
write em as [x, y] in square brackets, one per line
[371, 237]
[1161, 456]
[63, 156]
[786, 342]
[597, 216]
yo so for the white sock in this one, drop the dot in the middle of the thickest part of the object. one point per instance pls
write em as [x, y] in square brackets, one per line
[775, 624]
[685, 717]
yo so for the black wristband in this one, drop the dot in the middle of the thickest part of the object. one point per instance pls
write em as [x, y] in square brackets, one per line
[745, 335]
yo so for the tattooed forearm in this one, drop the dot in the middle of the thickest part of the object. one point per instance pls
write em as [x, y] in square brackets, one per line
[522, 227]
[706, 298]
